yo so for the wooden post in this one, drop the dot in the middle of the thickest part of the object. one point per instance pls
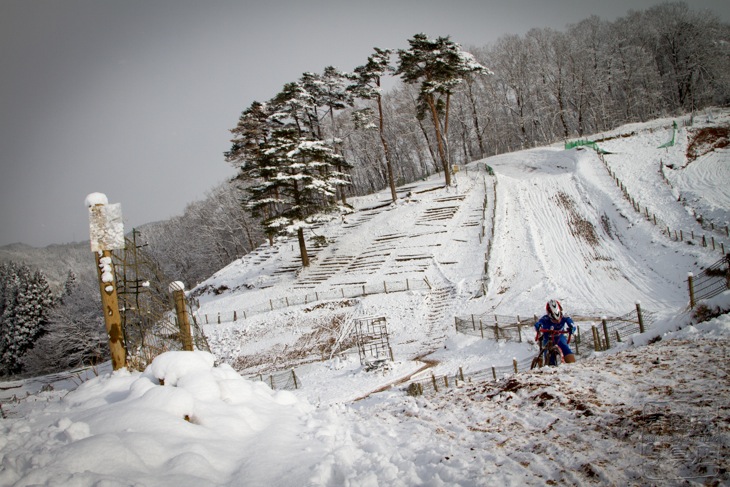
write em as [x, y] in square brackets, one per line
[271, 381]
[294, 376]
[640, 317]
[110, 305]
[596, 339]
[605, 332]
[433, 380]
[177, 289]
[494, 373]
[481, 328]
[461, 374]
[105, 232]
[690, 283]
[514, 364]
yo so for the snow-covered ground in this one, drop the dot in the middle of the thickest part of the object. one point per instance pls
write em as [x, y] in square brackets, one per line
[652, 409]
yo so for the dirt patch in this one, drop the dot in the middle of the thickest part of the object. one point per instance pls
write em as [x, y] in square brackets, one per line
[579, 226]
[705, 140]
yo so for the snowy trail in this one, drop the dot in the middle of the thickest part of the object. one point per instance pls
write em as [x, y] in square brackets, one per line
[563, 230]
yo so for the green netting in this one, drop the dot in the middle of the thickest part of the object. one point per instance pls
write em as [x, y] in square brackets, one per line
[585, 143]
[671, 142]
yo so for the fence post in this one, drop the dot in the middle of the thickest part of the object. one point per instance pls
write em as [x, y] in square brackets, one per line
[496, 331]
[271, 381]
[641, 318]
[690, 283]
[596, 339]
[433, 379]
[177, 289]
[605, 332]
[294, 376]
[494, 373]
[96, 203]
[514, 364]
[461, 374]
[481, 328]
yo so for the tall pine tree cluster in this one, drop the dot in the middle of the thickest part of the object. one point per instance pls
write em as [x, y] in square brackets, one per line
[25, 302]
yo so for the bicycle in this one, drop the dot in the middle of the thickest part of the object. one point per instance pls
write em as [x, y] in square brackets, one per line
[550, 352]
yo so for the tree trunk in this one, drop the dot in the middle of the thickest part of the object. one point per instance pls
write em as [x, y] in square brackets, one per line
[303, 248]
[439, 140]
[386, 150]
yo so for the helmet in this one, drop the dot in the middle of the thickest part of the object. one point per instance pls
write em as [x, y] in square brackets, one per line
[554, 310]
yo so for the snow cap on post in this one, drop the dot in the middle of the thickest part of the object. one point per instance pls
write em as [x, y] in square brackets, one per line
[106, 227]
[94, 199]
[176, 286]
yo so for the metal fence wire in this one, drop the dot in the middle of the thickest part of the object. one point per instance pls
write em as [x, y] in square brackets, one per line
[440, 383]
[712, 281]
[286, 380]
[516, 329]
[149, 325]
[344, 292]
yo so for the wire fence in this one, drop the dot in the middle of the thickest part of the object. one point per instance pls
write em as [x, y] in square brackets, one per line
[440, 383]
[285, 380]
[678, 235]
[344, 292]
[710, 282]
[518, 329]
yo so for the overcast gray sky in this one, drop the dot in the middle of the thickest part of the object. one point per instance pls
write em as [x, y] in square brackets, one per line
[135, 98]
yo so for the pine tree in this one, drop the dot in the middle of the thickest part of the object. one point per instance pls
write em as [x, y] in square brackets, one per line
[291, 174]
[27, 303]
[439, 65]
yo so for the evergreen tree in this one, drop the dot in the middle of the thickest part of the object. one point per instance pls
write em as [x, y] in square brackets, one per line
[291, 174]
[27, 301]
[439, 65]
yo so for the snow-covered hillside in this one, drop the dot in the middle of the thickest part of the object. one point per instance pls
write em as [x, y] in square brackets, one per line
[562, 228]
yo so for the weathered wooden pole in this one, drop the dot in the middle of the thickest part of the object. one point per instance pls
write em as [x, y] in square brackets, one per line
[690, 284]
[106, 232]
[177, 289]
[605, 332]
[640, 317]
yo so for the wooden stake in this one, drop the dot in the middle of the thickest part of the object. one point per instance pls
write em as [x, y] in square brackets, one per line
[178, 296]
[110, 306]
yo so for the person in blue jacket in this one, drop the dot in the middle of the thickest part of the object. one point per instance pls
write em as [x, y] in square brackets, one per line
[554, 320]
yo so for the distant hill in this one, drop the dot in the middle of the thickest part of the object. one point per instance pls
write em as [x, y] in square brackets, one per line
[54, 260]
